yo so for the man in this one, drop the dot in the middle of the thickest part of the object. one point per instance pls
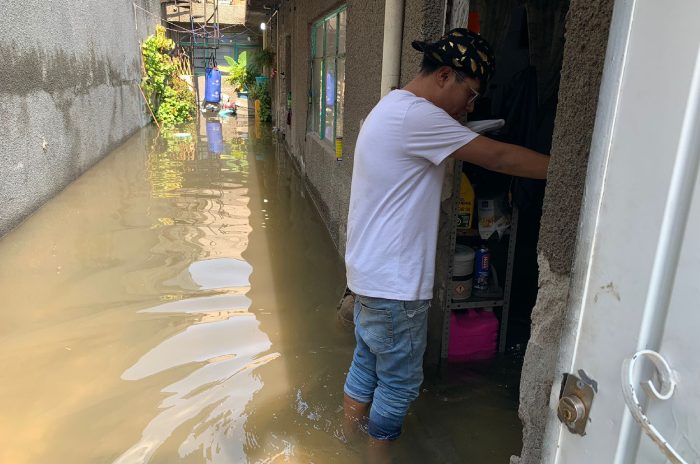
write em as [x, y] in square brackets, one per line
[393, 220]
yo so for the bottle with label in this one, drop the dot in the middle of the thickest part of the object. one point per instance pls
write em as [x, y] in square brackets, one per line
[465, 205]
[482, 268]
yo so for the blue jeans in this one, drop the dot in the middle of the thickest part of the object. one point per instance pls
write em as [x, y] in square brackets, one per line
[387, 367]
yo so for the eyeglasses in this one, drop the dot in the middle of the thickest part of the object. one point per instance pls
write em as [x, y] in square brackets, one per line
[475, 95]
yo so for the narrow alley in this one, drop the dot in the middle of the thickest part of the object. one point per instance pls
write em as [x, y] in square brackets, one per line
[353, 232]
[177, 303]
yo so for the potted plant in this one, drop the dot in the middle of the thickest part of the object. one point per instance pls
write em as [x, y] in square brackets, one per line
[240, 76]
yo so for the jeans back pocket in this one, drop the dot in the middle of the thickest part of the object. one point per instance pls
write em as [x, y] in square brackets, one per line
[375, 326]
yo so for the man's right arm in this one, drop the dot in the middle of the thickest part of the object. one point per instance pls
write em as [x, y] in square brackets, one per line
[505, 158]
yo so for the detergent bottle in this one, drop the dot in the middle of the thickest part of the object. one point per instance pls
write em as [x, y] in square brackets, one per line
[465, 205]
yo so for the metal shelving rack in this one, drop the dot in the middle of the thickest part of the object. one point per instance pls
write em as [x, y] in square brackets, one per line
[478, 302]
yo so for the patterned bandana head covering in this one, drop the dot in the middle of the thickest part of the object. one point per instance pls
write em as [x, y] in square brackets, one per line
[462, 50]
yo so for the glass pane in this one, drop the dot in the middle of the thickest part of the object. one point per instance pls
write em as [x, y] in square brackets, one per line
[310, 109]
[330, 99]
[341, 33]
[340, 98]
[316, 104]
[318, 40]
[330, 35]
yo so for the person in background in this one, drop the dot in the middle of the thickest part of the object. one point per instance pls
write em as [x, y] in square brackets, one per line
[393, 218]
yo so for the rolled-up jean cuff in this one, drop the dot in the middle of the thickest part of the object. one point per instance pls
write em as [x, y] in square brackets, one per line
[355, 396]
[384, 428]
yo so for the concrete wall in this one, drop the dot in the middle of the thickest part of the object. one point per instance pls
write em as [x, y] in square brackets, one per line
[587, 28]
[423, 20]
[328, 180]
[68, 93]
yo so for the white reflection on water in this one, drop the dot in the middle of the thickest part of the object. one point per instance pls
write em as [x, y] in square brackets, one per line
[212, 274]
[224, 346]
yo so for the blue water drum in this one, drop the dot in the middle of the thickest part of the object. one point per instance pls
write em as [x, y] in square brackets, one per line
[215, 139]
[212, 86]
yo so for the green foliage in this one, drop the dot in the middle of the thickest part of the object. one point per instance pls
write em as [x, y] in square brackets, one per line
[240, 75]
[171, 98]
[264, 58]
[231, 63]
[242, 58]
[254, 68]
[262, 93]
[177, 105]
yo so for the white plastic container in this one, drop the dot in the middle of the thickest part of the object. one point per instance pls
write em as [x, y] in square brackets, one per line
[463, 273]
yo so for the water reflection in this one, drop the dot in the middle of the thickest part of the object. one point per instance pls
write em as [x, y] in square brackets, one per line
[211, 400]
[223, 345]
[128, 296]
[176, 304]
[212, 274]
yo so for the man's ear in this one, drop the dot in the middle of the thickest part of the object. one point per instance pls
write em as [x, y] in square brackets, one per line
[442, 75]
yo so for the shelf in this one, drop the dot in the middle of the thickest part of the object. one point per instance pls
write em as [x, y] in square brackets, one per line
[476, 302]
[473, 234]
[503, 252]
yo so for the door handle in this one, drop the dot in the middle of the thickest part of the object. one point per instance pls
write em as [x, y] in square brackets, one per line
[668, 386]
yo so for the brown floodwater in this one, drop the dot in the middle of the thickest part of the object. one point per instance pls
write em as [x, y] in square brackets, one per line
[176, 303]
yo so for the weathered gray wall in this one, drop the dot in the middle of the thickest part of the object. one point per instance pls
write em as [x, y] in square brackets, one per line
[328, 179]
[68, 93]
[423, 20]
[587, 27]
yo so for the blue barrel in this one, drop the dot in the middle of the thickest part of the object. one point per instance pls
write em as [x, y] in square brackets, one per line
[215, 139]
[212, 86]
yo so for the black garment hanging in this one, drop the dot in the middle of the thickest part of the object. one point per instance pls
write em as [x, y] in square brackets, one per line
[530, 126]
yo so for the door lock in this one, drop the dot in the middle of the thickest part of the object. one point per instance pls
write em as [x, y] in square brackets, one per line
[575, 401]
[572, 409]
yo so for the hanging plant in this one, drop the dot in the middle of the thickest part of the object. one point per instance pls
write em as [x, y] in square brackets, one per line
[264, 58]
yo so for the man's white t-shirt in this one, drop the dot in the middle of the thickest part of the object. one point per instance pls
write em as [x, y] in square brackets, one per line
[395, 196]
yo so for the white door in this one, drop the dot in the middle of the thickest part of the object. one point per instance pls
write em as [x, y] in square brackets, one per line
[636, 280]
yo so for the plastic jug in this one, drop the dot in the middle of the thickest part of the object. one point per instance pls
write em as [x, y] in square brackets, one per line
[473, 335]
[463, 273]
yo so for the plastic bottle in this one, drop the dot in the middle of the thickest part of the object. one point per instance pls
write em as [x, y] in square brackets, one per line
[465, 205]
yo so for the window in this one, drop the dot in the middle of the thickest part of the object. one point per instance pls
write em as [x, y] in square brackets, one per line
[327, 82]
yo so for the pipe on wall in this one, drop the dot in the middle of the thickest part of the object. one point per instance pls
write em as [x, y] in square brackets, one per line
[391, 52]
